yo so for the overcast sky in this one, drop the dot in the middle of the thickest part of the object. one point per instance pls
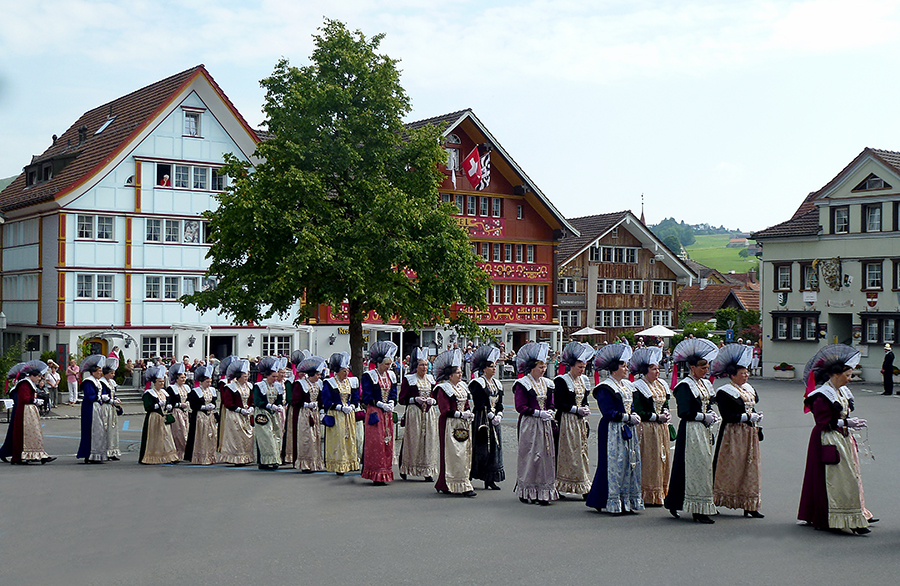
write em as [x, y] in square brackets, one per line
[727, 112]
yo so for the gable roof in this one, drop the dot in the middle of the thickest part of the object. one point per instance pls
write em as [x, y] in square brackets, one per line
[593, 228]
[132, 112]
[703, 271]
[749, 299]
[806, 224]
[454, 119]
[706, 300]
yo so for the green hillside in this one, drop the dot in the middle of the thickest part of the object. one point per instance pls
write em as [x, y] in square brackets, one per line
[7, 181]
[710, 250]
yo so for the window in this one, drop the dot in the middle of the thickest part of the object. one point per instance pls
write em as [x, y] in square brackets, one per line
[888, 331]
[627, 287]
[840, 220]
[530, 255]
[607, 254]
[486, 250]
[85, 226]
[566, 285]
[496, 207]
[507, 294]
[661, 318]
[452, 159]
[192, 123]
[631, 255]
[104, 228]
[153, 346]
[873, 275]
[618, 254]
[171, 288]
[594, 254]
[662, 287]
[445, 197]
[173, 230]
[617, 319]
[189, 285]
[104, 286]
[485, 206]
[473, 204]
[182, 176]
[541, 295]
[809, 278]
[496, 295]
[519, 213]
[620, 287]
[529, 295]
[192, 232]
[609, 286]
[872, 218]
[507, 252]
[276, 345]
[569, 318]
[872, 182]
[519, 292]
[496, 252]
[615, 232]
[782, 277]
[164, 174]
[219, 180]
[519, 248]
[154, 230]
[607, 318]
[811, 328]
[872, 331]
[201, 177]
[153, 287]
[796, 328]
[84, 286]
[781, 328]
[459, 203]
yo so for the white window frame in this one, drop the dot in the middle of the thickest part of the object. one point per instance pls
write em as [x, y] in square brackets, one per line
[871, 331]
[84, 286]
[153, 284]
[529, 295]
[873, 216]
[181, 177]
[783, 277]
[520, 212]
[842, 227]
[507, 294]
[781, 327]
[496, 207]
[508, 256]
[111, 221]
[277, 344]
[200, 178]
[796, 328]
[84, 227]
[171, 288]
[495, 300]
[874, 275]
[158, 231]
[497, 248]
[219, 181]
[162, 346]
[519, 294]
[889, 330]
[542, 295]
[519, 252]
[192, 126]
[189, 285]
[529, 258]
[485, 206]
[172, 231]
[472, 205]
[811, 328]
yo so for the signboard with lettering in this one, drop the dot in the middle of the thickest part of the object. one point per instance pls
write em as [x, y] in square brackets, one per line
[481, 227]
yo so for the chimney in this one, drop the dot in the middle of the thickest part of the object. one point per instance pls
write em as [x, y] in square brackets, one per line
[703, 283]
[54, 138]
[82, 135]
[751, 275]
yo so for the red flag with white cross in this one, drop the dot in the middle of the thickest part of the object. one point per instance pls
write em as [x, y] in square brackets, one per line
[471, 167]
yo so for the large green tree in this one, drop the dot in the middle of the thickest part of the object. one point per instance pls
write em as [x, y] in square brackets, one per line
[345, 207]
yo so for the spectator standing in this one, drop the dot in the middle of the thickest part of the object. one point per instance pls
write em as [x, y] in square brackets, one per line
[52, 377]
[887, 370]
[72, 381]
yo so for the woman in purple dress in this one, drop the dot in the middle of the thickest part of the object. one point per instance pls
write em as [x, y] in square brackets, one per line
[536, 479]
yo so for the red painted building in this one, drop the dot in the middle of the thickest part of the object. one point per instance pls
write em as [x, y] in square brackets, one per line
[512, 226]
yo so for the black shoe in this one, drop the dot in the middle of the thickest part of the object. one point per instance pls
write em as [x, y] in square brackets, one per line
[48, 459]
[114, 458]
[584, 496]
[443, 491]
[888, 394]
[754, 514]
[703, 519]
[469, 494]
[5, 459]
[491, 485]
[674, 513]
[524, 501]
[402, 476]
[338, 473]
[544, 503]
[874, 520]
[378, 483]
[861, 531]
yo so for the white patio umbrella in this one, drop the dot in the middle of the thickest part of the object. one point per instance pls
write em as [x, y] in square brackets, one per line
[587, 331]
[657, 332]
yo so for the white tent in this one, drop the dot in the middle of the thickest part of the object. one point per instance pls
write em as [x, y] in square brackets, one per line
[587, 331]
[657, 332]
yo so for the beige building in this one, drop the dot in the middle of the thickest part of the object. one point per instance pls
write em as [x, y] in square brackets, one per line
[832, 272]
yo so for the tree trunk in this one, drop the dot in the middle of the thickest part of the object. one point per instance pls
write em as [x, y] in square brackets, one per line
[356, 338]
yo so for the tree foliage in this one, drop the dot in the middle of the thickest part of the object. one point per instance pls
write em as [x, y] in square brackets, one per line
[345, 206]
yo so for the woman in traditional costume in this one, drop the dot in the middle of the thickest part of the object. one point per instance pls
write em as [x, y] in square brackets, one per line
[651, 403]
[379, 394]
[536, 479]
[455, 425]
[291, 415]
[487, 396]
[281, 389]
[24, 438]
[111, 408]
[617, 483]
[179, 391]
[691, 483]
[737, 458]
[340, 397]
[421, 446]
[307, 397]
[236, 445]
[94, 445]
[832, 486]
[204, 429]
[267, 404]
[157, 444]
[570, 396]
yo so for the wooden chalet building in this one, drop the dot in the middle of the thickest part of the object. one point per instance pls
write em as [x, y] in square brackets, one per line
[617, 277]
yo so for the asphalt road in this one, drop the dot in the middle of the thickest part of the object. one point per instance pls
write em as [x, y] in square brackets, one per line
[122, 523]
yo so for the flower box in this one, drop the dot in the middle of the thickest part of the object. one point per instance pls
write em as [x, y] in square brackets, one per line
[784, 374]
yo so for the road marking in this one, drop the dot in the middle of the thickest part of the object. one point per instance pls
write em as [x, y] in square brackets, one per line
[125, 425]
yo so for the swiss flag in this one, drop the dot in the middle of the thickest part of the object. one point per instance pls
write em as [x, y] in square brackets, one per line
[471, 166]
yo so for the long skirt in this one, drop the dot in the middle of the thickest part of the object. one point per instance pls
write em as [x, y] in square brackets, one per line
[487, 450]
[340, 444]
[205, 433]
[111, 423]
[572, 464]
[420, 450]
[656, 461]
[99, 434]
[278, 432]
[456, 458]
[309, 441]
[265, 436]
[536, 478]
[289, 441]
[378, 458]
[842, 482]
[237, 439]
[157, 445]
[698, 475]
[32, 436]
[862, 497]
[736, 484]
[180, 431]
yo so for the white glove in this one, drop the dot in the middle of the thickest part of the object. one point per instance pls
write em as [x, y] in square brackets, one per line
[468, 415]
[664, 417]
[635, 419]
[246, 411]
[710, 418]
[270, 406]
[431, 401]
[545, 415]
[386, 407]
[159, 406]
[168, 407]
[347, 409]
[490, 415]
[38, 402]
[496, 419]
[584, 411]
[419, 400]
[754, 417]
[856, 422]
[118, 401]
[310, 405]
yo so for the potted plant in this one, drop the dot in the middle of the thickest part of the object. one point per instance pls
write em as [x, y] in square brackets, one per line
[784, 370]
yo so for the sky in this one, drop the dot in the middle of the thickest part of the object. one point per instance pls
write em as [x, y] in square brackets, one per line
[723, 112]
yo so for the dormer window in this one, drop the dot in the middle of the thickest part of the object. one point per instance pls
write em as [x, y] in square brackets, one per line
[872, 182]
[192, 123]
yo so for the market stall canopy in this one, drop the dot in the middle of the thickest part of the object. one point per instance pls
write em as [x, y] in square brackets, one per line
[588, 331]
[657, 332]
